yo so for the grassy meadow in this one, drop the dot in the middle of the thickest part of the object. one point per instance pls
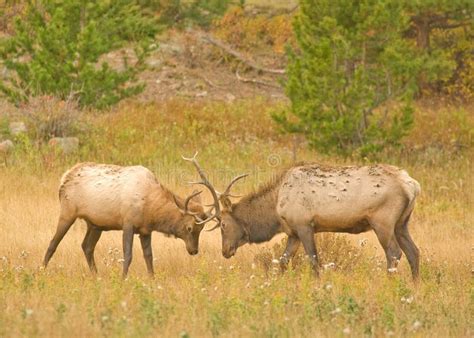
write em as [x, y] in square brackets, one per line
[207, 295]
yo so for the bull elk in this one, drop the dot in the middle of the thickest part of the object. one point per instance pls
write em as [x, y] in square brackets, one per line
[310, 198]
[110, 197]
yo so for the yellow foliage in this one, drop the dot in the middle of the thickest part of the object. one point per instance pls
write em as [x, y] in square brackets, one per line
[255, 32]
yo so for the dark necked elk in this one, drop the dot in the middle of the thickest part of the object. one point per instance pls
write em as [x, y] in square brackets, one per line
[310, 198]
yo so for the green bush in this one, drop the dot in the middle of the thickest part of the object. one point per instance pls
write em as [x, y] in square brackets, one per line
[352, 76]
[57, 46]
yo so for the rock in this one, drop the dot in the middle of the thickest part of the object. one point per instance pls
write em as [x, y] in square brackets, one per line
[230, 97]
[201, 94]
[154, 63]
[68, 145]
[6, 146]
[17, 128]
[171, 48]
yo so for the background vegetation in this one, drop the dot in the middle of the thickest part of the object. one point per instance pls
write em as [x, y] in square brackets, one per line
[206, 295]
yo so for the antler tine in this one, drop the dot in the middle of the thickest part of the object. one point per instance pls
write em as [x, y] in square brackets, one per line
[187, 202]
[226, 193]
[190, 158]
[205, 182]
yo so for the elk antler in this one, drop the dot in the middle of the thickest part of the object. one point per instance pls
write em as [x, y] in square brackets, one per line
[226, 192]
[205, 182]
[186, 203]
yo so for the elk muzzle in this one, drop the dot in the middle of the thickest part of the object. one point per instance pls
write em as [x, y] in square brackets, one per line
[229, 251]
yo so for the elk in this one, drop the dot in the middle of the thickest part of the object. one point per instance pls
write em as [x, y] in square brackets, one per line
[111, 197]
[310, 198]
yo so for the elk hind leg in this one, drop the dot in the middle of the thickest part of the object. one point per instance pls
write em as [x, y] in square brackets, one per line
[88, 245]
[408, 246]
[386, 236]
[64, 224]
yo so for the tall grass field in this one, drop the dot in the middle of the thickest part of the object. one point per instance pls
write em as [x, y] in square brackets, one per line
[245, 296]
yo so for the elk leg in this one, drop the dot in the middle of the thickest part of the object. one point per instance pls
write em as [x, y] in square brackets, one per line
[390, 246]
[88, 246]
[127, 239]
[409, 248]
[145, 240]
[63, 227]
[290, 251]
[306, 236]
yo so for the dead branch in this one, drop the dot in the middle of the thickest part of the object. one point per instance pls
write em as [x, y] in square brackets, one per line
[263, 83]
[239, 56]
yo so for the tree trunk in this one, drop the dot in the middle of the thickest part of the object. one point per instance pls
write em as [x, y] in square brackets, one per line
[423, 29]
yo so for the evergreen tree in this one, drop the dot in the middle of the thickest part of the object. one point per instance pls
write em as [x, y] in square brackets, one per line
[57, 47]
[351, 78]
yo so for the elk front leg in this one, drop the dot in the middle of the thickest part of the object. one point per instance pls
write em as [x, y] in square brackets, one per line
[306, 236]
[290, 251]
[145, 240]
[127, 240]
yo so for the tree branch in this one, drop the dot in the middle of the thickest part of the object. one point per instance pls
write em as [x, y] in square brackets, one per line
[239, 56]
[263, 83]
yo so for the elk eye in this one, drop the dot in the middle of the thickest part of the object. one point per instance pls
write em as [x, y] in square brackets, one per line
[189, 228]
[223, 225]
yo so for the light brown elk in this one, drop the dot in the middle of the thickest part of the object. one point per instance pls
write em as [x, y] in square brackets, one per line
[310, 198]
[110, 197]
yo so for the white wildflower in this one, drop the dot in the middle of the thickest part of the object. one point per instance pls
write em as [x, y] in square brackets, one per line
[328, 286]
[329, 266]
[416, 325]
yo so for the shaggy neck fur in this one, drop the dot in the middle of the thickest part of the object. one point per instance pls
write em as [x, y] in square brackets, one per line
[256, 212]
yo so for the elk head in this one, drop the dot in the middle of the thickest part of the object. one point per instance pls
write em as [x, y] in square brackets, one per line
[234, 233]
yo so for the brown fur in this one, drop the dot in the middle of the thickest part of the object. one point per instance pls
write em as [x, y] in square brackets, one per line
[110, 197]
[309, 198]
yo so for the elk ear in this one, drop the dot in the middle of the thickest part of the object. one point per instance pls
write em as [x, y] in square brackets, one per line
[226, 203]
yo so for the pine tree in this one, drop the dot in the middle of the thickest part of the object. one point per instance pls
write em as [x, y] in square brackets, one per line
[57, 47]
[351, 78]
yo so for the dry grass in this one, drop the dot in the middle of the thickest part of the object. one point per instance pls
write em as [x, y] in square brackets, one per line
[207, 295]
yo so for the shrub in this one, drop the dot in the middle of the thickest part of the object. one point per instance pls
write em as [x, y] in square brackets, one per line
[56, 49]
[50, 117]
[254, 31]
[332, 248]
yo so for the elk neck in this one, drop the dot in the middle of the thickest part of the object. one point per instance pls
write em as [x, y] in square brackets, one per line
[257, 212]
[164, 216]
